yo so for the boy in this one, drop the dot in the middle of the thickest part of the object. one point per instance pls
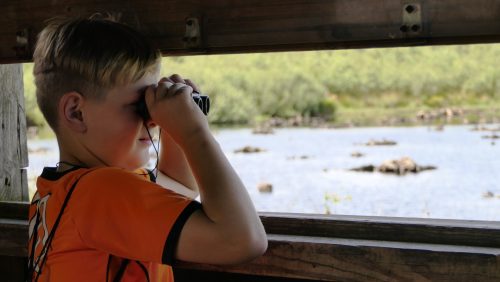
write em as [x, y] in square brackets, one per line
[97, 216]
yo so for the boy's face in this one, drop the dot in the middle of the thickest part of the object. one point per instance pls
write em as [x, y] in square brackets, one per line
[116, 134]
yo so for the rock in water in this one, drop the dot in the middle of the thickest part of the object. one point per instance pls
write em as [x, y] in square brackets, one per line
[366, 168]
[402, 166]
[265, 187]
[249, 149]
[383, 142]
[357, 154]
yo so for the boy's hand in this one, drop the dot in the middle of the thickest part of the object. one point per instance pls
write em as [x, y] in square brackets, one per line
[171, 106]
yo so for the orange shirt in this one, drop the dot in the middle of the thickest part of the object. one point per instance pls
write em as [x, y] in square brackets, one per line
[115, 223]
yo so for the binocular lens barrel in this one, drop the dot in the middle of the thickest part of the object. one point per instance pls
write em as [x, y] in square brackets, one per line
[203, 102]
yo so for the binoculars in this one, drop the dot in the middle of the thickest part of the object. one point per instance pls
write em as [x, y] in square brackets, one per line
[203, 102]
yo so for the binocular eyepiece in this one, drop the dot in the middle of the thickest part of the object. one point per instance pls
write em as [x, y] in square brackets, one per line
[203, 102]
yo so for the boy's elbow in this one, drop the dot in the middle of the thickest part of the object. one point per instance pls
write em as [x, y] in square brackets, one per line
[253, 247]
[258, 246]
[261, 248]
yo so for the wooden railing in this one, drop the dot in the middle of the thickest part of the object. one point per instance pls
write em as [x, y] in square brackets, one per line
[328, 248]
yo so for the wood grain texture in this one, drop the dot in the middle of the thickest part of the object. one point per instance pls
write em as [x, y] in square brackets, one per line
[422, 230]
[238, 26]
[351, 254]
[14, 150]
[13, 237]
[189, 274]
[331, 259]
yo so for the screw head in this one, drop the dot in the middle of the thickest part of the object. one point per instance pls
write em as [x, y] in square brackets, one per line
[410, 9]
[404, 28]
[415, 28]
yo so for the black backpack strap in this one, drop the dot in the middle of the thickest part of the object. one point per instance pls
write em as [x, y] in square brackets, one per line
[121, 270]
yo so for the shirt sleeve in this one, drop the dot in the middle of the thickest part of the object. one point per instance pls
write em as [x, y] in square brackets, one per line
[123, 214]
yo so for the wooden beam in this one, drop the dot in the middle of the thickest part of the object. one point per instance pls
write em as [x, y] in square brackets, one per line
[236, 26]
[13, 268]
[14, 210]
[422, 230]
[189, 274]
[332, 259]
[14, 150]
[381, 228]
[13, 237]
[320, 258]
[340, 248]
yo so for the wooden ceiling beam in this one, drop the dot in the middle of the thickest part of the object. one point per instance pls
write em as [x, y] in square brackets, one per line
[241, 26]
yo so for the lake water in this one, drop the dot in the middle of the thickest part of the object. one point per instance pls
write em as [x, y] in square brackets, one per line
[309, 171]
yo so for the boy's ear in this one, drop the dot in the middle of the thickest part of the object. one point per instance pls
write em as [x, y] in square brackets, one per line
[70, 111]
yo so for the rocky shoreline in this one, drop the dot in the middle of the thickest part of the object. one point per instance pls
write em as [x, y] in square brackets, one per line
[438, 117]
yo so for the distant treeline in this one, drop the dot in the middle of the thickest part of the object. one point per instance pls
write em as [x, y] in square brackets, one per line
[250, 87]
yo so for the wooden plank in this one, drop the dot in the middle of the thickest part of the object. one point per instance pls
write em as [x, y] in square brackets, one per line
[14, 210]
[423, 230]
[12, 269]
[14, 150]
[13, 237]
[189, 275]
[337, 259]
[332, 259]
[235, 26]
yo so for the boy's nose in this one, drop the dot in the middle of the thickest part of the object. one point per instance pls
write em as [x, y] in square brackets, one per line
[150, 124]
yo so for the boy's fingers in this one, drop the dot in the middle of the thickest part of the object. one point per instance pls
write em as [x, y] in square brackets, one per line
[165, 79]
[177, 78]
[190, 83]
[179, 88]
[163, 88]
[150, 95]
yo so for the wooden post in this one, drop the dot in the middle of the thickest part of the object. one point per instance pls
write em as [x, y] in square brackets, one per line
[13, 149]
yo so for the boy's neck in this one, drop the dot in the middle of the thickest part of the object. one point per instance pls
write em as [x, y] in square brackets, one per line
[70, 155]
[64, 166]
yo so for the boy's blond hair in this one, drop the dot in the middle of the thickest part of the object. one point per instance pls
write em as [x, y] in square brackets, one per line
[89, 56]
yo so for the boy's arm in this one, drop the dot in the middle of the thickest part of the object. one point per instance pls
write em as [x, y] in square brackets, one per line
[172, 163]
[227, 229]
